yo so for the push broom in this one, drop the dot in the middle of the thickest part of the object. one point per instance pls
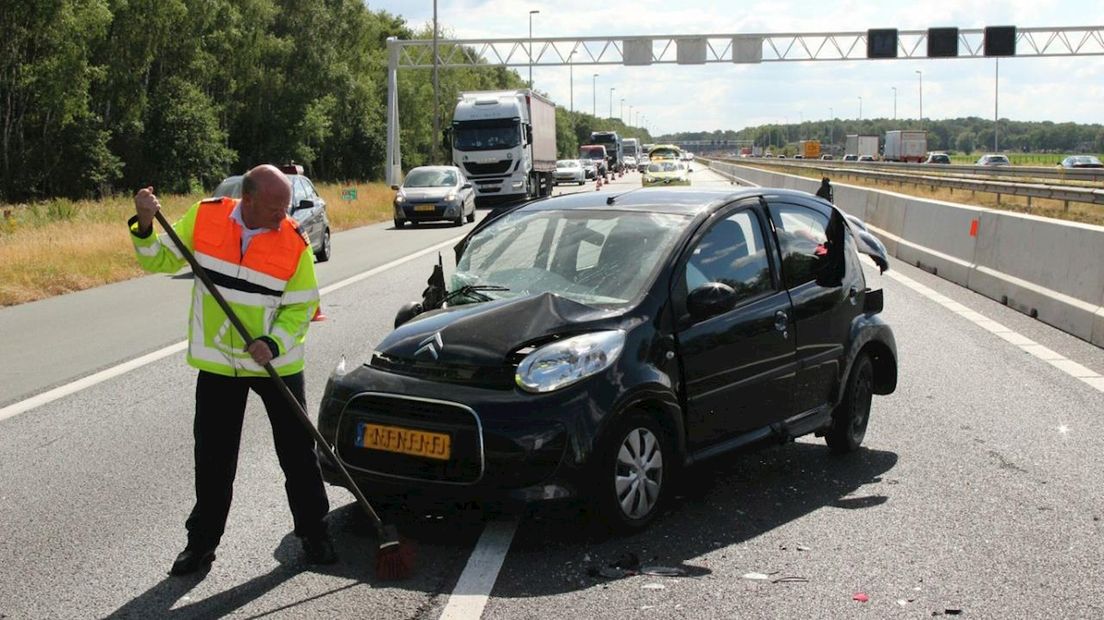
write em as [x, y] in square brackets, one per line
[394, 559]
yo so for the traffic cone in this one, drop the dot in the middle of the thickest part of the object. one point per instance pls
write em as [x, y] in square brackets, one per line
[318, 316]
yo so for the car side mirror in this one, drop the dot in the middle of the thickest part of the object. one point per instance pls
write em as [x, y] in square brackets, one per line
[466, 186]
[395, 187]
[304, 204]
[709, 300]
[408, 311]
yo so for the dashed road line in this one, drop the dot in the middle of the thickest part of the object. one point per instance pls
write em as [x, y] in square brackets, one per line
[473, 589]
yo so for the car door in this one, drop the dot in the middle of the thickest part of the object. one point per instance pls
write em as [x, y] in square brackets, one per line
[318, 212]
[812, 242]
[738, 366]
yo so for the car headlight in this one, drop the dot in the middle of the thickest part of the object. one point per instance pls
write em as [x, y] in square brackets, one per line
[399, 198]
[569, 361]
[450, 197]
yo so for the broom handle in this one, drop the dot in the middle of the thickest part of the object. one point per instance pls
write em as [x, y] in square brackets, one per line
[294, 402]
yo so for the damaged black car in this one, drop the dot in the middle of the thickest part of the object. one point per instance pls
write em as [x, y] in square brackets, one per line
[591, 347]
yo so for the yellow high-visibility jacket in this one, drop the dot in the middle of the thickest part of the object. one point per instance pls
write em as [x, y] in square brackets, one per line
[271, 287]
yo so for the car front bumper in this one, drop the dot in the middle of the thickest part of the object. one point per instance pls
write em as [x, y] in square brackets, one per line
[507, 446]
[429, 211]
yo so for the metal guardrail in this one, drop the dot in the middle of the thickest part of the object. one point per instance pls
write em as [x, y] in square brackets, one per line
[1064, 193]
[1092, 175]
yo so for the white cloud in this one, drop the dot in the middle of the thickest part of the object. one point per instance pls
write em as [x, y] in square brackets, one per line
[689, 98]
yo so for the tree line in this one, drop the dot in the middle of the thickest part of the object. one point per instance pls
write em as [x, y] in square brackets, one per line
[104, 96]
[965, 135]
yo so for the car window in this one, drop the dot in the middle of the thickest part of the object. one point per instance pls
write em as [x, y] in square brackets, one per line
[308, 186]
[229, 188]
[298, 192]
[802, 238]
[732, 252]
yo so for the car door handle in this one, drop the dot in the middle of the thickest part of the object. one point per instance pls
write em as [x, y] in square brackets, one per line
[781, 321]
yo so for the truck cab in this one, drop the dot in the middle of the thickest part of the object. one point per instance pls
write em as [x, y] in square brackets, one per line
[614, 153]
[505, 142]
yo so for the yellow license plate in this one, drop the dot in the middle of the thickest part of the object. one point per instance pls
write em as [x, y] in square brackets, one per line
[425, 207]
[405, 441]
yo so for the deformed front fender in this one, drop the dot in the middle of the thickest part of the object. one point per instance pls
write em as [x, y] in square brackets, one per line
[871, 335]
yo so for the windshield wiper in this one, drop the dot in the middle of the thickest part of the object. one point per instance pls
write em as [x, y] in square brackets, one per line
[473, 291]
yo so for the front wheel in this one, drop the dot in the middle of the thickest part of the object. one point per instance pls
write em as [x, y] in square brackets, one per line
[850, 418]
[633, 472]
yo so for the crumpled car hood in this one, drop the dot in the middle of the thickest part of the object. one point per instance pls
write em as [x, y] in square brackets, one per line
[486, 334]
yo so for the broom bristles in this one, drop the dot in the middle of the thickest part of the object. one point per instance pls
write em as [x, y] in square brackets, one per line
[394, 561]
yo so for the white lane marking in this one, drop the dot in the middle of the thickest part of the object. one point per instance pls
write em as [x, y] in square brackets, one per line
[473, 589]
[73, 387]
[86, 382]
[1053, 358]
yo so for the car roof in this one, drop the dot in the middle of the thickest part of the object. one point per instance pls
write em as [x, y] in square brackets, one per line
[674, 200]
[451, 168]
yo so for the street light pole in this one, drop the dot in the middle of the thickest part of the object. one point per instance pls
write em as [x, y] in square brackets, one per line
[921, 74]
[571, 79]
[996, 101]
[531, 14]
[622, 117]
[594, 96]
[894, 102]
[436, 94]
[831, 126]
[611, 101]
[860, 108]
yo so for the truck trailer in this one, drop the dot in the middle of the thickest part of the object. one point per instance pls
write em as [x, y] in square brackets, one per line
[861, 145]
[906, 145]
[505, 142]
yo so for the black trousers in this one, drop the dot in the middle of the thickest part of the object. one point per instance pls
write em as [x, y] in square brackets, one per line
[220, 410]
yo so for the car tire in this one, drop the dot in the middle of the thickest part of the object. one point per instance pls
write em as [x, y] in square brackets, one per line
[851, 417]
[633, 466]
[324, 253]
[471, 216]
[399, 223]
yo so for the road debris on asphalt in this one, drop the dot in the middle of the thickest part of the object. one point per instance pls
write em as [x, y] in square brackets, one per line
[653, 586]
[860, 597]
[757, 576]
[662, 571]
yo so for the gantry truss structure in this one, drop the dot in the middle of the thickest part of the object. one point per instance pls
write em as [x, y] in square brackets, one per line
[752, 48]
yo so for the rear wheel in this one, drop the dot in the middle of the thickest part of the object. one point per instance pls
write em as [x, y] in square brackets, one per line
[471, 216]
[633, 472]
[850, 418]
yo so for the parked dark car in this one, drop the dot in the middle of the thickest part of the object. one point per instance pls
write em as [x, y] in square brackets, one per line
[938, 158]
[434, 194]
[308, 209]
[592, 346]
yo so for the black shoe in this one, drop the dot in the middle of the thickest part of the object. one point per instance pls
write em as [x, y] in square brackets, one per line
[319, 550]
[192, 559]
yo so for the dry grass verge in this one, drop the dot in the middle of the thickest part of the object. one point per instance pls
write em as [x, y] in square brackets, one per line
[48, 249]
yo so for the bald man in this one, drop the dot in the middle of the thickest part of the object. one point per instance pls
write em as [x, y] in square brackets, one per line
[264, 267]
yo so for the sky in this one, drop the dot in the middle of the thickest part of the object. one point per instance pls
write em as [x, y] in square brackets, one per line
[673, 98]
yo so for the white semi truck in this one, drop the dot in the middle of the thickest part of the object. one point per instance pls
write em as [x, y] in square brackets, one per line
[505, 142]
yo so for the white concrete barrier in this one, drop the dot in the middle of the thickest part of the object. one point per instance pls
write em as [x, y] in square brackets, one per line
[1049, 269]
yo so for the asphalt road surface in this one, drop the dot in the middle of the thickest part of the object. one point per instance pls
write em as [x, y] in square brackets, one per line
[979, 487]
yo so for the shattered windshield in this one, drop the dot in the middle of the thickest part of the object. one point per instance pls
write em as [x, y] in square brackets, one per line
[599, 258]
[486, 135]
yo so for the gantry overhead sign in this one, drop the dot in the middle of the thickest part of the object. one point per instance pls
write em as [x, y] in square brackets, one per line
[754, 48]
